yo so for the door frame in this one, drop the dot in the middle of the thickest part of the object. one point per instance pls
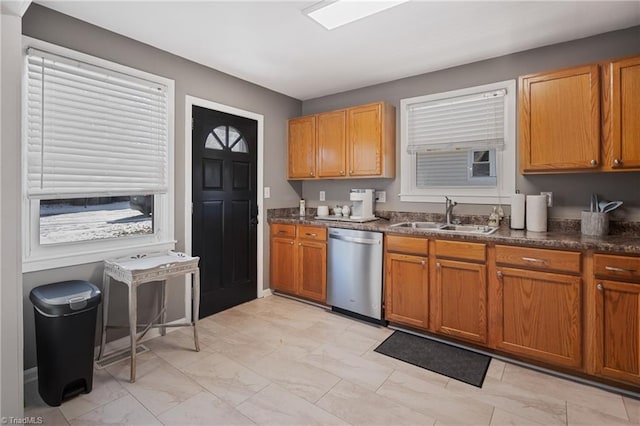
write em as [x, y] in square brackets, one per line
[190, 102]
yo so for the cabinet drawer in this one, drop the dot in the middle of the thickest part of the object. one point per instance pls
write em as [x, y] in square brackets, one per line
[461, 250]
[312, 233]
[567, 261]
[282, 230]
[412, 245]
[626, 267]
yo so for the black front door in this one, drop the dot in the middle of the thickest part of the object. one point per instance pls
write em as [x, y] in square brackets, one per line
[224, 207]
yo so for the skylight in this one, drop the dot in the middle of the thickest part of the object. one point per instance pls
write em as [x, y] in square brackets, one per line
[333, 14]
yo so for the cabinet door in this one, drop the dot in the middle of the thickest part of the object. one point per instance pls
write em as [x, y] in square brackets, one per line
[283, 277]
[302, 147]
[365, 140]
[406, 286]
[312, 270]
[459, 303]
[560, 120]
[540, 315]
[621, 112]
[332, 144]
[618, 330]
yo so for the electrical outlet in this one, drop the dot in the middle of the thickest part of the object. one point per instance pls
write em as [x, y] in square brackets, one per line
[381, 196]
[267, 192]
[549, 198]
[322, 195]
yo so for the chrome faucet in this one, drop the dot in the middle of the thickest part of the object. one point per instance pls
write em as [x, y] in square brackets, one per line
[449, 205]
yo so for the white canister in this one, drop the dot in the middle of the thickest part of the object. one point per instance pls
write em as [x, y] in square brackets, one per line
[337, 211]
[346, 211]
[323, 211]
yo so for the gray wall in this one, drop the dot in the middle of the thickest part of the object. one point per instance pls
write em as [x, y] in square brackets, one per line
[571, 192]
[190, 79]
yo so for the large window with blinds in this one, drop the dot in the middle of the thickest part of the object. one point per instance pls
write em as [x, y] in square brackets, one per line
[460, 144]
[97, 148]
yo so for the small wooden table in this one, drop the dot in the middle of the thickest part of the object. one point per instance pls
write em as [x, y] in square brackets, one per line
[144, 268]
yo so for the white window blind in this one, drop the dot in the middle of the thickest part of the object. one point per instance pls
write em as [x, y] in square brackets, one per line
[93, 131]
[460, 123]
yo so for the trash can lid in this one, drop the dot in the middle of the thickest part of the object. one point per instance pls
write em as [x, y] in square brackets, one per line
[65, 298]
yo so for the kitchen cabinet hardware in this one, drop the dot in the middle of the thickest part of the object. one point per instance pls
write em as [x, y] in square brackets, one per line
[600, 287]
[423, 263]
[617, 162]
[341, 172]
[594, 162]
[291, 243]
[499, 274]
[534, 260]
[616, 269]
[438, 265]
[311, 234]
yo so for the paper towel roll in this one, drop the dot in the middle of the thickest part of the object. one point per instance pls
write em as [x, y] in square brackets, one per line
[517, 211]
[537, 213]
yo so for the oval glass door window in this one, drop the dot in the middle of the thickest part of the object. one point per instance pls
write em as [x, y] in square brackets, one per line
[226, 138]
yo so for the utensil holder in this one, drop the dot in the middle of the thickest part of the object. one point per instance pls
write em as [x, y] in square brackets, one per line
[594, 224]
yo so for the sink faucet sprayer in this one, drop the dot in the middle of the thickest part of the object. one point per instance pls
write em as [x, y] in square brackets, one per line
[449, 205]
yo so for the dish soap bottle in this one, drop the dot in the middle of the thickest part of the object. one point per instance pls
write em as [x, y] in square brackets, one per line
[302, 208]
[494, 218]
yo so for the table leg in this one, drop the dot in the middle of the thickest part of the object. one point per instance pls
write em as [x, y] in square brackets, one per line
[133, 327]
[105, 313]
[195, 311]
[163, 316]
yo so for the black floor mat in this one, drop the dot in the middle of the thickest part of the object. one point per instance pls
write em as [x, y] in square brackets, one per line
[457, 363]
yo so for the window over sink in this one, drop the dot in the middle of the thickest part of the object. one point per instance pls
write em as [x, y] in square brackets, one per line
[460, 143]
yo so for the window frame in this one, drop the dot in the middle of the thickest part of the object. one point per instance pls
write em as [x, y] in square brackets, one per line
[36, 257]
[505, 164]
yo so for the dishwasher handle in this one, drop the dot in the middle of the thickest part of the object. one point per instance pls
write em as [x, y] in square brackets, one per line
[367, 241]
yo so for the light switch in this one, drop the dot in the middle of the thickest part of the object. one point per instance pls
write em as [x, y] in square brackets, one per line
[322, 195]
[267, 192]
[381, 196]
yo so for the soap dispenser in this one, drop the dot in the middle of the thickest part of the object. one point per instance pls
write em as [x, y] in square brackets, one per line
[494, 218]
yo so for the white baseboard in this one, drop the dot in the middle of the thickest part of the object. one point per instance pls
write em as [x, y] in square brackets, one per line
[31, 375]
[266, 293]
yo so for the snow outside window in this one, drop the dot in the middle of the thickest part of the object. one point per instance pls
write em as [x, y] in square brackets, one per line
[97, 158]
[459, 144]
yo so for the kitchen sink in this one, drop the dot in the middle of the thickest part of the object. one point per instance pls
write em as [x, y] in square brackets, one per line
[418, 225]
[435, 226]
[469, 229]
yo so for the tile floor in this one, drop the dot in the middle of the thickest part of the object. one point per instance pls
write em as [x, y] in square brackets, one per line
[278, 361]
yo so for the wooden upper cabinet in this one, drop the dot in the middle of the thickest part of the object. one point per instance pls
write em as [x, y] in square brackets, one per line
[371, 140]
[354, 142]
[301, 135]
[559, 115]
[621, 109]
[332, 144]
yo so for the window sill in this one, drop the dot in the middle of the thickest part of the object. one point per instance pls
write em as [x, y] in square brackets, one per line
[42, 262]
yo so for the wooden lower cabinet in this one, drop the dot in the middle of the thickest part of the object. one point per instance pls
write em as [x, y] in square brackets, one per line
[618, 330]
[540, 316]
[406, 289]
[312, 270]
[299, 264]
[460, 300]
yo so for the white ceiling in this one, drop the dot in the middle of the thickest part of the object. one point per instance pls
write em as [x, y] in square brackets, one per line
[274, 45]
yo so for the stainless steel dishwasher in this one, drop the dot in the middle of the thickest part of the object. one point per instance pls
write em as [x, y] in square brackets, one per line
[354, 272]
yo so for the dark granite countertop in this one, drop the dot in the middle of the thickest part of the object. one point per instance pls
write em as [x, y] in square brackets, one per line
[567, 238]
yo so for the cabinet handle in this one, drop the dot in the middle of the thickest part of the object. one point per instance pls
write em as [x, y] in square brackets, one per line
[342, 172]
[534, 260]
[600, 287]
[594, 163]
[350, 172]
[499, 274]
[310, 173]
[299, 244]
[438, 265]
[291, 243]
[617, 162]
[311, 234]
[616, 269]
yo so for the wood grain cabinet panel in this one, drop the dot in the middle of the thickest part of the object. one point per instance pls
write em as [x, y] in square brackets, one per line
[550, 260]
[332, 144]
[559, 120]
[301, 136]
[621, 109]
[540, 316]
[618, 330]
[408, 245]
[460, 300]
[365, 140]
[299, 265]
[406, 289]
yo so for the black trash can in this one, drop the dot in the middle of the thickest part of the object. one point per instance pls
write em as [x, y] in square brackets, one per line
[65, 317]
